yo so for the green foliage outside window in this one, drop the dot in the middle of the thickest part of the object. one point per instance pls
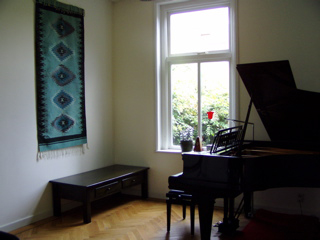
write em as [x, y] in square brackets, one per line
[214, 97]
[185, 115]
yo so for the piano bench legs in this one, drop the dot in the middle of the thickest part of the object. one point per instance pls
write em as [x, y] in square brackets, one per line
[181, 198]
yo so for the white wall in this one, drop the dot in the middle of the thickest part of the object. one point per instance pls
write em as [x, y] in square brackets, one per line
[134, 94]
[268, 30]
[25, 194]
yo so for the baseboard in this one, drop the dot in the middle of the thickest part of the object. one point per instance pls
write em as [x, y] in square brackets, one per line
[25, 221]
[36, 217]
[288, 210]
[66, 205]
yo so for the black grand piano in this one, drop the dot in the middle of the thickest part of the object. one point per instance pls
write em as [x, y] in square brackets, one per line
[235, 166]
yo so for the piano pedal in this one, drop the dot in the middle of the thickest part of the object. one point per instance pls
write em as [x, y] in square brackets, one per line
[249, 215]
[229, 226]
[217, 224]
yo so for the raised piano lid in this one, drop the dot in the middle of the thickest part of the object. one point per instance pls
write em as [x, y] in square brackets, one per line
[288, 114]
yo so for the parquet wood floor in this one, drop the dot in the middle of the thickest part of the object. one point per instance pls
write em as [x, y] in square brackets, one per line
[120, 218]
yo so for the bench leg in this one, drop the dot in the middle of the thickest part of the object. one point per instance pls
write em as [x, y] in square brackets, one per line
[56, 200]
[144, 186]
[184, 208]
[86, 209]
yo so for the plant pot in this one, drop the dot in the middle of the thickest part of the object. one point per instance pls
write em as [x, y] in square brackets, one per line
[186, 146]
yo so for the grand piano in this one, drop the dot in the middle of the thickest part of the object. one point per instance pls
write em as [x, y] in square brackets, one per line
[236, 166]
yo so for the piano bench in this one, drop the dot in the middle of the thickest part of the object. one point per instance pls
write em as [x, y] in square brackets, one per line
[184, 199]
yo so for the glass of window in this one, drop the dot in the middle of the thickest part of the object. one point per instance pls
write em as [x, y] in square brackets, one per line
[199, 31]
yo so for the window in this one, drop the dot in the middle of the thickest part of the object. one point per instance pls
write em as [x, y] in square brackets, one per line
[195, 68]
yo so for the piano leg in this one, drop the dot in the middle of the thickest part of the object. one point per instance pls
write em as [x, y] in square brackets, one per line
[225, 211]
[205, 206]
[248, 204]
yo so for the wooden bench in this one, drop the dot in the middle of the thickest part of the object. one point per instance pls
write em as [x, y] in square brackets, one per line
[96, 184]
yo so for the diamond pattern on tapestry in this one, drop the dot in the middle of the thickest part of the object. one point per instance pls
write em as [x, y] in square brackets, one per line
[62, 27]
[63, 123]
[63, 99]
[61, 51]
[63, 75]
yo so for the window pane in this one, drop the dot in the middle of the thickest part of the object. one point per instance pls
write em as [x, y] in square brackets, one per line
[199, 31]
[214, 97]
[184, 99]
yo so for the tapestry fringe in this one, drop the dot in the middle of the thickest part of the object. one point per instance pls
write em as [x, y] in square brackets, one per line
[71, 151]
[63, 7]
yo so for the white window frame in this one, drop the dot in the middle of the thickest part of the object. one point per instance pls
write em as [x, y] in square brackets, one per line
[163, 61]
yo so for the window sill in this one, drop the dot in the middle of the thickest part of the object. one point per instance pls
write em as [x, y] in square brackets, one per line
[176, 151]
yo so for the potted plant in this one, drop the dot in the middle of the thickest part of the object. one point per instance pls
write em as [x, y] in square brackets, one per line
[186, 142]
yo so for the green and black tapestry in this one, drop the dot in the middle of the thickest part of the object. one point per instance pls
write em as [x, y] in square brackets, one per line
[59, 42]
